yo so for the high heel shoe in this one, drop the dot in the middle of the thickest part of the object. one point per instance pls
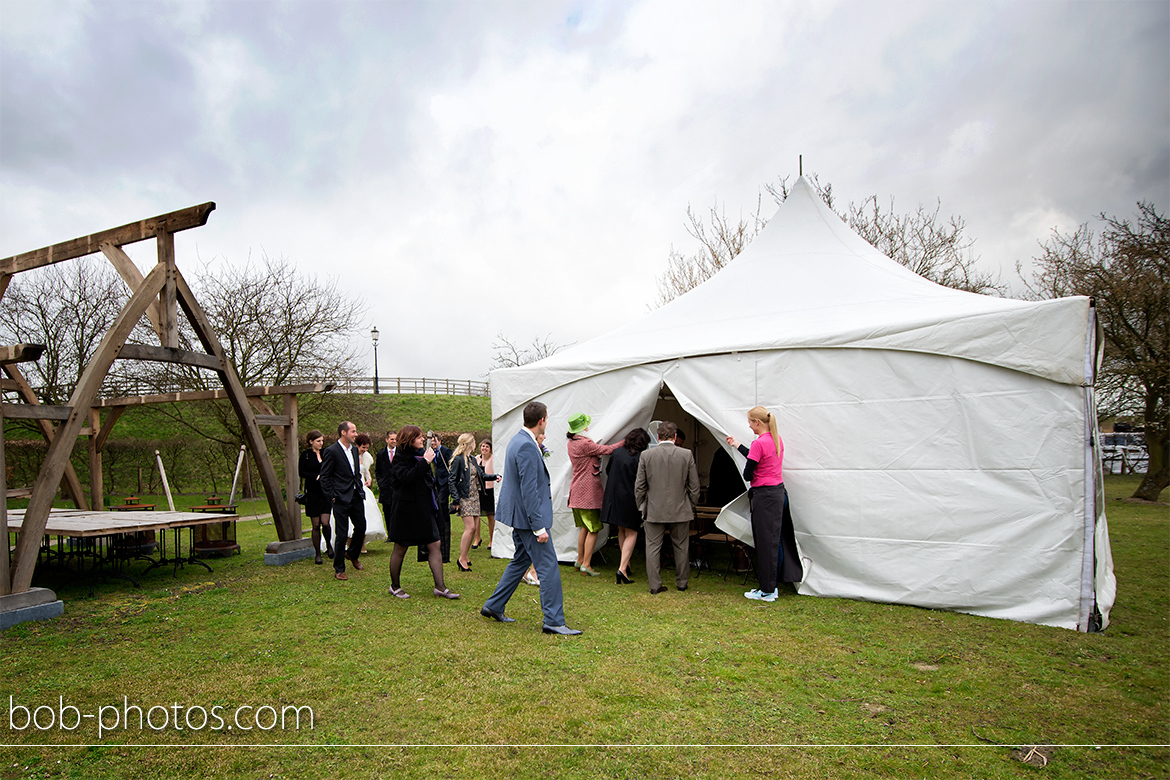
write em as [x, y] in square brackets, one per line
[588, 571]
[622, 579]
[462, 567]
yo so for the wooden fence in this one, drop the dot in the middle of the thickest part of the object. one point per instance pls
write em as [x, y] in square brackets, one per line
[398, 385]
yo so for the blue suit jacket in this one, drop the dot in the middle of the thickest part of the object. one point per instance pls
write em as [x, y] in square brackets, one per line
[525, 501]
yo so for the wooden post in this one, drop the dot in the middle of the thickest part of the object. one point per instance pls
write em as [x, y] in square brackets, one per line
[5, 575]
[96, 490]
[168, 310]
[292, 477]
[36, 516]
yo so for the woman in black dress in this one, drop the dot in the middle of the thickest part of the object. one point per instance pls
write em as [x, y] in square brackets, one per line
[416, 509]
[316, 506]
[617, 506]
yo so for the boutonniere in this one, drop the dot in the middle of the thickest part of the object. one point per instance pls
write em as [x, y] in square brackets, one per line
[547, 453]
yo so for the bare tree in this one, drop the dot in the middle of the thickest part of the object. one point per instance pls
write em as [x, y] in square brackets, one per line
[919, 240]
[276, 325]
[509, 354]
[1126, 270]
[68, 308]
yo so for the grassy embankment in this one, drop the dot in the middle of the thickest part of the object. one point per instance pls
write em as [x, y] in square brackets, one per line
[706, 667]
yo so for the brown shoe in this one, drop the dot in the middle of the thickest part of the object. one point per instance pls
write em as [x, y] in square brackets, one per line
[356, 564]
[340, 575]
[656, 591]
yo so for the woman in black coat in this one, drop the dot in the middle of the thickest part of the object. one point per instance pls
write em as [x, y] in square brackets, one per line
[416, 509]
[618, 507]
[316, 505]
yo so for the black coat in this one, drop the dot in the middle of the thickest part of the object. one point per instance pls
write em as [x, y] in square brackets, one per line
[309, 469]
[618, 506]
[415, 512]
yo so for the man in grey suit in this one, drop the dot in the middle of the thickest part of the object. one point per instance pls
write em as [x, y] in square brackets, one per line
[666, 491]
[526, 505]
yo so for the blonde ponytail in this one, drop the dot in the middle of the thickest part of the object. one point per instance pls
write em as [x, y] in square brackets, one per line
[760, 414]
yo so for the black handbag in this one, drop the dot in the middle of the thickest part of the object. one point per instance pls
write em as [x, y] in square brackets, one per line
[299, 498]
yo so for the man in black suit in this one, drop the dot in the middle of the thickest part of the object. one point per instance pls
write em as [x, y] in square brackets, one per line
[442, 466]
[341, 482]
[382, 474]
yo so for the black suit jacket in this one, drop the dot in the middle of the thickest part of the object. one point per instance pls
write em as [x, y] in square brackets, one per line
[382, 473]
[341, 481]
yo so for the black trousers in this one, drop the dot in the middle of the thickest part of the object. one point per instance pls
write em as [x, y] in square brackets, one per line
[777, 558]
[343, 515]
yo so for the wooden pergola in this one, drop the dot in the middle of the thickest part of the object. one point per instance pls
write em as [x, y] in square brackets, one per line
[159, 295]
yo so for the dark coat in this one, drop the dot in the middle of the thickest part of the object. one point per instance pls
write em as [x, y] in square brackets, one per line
[618, 506]
[341, 480]
[309, 470]
[415, 512]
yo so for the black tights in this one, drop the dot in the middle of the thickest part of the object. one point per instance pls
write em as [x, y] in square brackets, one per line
[320, 523]
[434, 558]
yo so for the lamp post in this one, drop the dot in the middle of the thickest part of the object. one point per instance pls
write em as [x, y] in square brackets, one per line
[374, 338]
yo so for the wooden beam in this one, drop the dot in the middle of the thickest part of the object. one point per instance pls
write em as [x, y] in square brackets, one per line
[104, 430]
[35, 412]
[285, 529]
[168, 355]
[4, 280]
[171, 222]
[29, 396]
[36, 516]
[209, 395]
[133, 277]
[21, 353]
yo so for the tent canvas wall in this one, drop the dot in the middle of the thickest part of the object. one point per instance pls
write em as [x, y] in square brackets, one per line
[940, 446]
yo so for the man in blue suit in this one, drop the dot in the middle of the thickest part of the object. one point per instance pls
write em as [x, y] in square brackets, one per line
[525, 504]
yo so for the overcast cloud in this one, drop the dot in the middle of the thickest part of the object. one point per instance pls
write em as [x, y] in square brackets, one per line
[527, 166]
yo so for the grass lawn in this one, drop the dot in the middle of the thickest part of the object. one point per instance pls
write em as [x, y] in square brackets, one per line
[695, 684]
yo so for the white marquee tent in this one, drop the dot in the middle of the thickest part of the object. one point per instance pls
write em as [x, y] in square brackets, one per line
[940, 446]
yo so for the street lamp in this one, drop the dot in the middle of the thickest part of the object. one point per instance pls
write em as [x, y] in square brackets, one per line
[374, 338]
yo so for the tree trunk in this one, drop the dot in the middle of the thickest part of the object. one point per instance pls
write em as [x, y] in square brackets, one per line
[1158, 471]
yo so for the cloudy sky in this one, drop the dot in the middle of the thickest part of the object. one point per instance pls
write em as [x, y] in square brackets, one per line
[528, 165]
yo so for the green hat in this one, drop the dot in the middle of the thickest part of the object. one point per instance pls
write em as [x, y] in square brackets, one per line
[579, 422]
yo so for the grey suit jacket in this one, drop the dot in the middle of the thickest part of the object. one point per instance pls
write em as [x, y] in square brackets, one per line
[667, 487]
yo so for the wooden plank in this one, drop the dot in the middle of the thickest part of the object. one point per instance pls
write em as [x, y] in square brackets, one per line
[29, 396]
[268, 417]
[4, 280]
[36, 411]
[132, 276]
[209, 395]
[171, 222]
[168, 355]
[84, 393]
[21, 353]
[285, 529]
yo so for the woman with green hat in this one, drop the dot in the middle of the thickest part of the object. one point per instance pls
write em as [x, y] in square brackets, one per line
[585, 492]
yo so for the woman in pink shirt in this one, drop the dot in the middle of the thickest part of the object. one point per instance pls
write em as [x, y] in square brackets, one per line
[585, 492]
[771, 518]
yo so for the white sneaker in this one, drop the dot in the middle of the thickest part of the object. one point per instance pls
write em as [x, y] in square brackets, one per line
[759, 595]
